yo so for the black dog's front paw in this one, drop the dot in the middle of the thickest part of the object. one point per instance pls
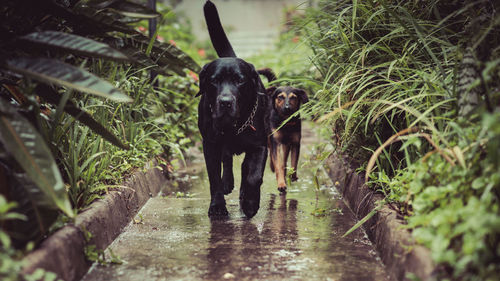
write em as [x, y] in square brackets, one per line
[249, 207]
[227, 185]
[217, 210]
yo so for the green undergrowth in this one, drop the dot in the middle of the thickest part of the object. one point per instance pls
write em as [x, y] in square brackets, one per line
[80, 112]
[160, 123]
[454, 209]
[410, 91]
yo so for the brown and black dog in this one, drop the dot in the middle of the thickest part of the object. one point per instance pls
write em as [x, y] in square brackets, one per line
[284, 141]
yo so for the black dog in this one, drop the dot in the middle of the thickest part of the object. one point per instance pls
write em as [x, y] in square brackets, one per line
[285, 102]
[232, 119]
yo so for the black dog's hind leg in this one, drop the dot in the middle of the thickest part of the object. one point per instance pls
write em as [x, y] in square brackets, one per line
[213, 161]
[252, 171]
[272, 154]
[227, 172]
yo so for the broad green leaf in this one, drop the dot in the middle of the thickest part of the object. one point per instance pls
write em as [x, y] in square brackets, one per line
[131, 9]
[5, 206]
[74, 43]
[4, 240]
[29, 149]
[53, 71]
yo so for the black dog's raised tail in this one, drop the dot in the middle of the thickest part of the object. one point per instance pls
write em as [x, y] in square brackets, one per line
[217, 35]
[268, 73]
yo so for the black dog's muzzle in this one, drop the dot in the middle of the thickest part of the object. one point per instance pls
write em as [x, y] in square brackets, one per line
[226, 105]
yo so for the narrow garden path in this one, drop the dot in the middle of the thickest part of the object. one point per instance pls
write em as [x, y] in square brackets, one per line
[173, 239]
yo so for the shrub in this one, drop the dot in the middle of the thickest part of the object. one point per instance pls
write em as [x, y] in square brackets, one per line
[409, 87]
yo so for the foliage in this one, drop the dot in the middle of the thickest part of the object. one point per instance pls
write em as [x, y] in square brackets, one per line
[10, 258]
[413, 85]
[77, 108]
[454, 210]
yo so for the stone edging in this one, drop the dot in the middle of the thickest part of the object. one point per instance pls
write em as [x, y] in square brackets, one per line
[399, 253]
[63, 252]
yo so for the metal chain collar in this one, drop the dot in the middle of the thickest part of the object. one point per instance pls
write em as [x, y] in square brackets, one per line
[249, 121]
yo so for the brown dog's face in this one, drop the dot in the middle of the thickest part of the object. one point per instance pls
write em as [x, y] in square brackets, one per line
[287, 100]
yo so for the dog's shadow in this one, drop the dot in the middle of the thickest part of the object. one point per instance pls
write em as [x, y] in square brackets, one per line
[247, 246]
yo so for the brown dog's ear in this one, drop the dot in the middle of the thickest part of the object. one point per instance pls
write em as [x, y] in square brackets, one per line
[302, 95]
[203, 80]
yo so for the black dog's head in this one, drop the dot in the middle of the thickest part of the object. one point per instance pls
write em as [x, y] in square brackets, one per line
[287, 100]
[230, 87]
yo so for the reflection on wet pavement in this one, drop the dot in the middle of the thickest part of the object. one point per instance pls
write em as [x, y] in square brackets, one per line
[175, 240]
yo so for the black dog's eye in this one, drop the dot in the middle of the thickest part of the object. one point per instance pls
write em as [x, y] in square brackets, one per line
[240, 81]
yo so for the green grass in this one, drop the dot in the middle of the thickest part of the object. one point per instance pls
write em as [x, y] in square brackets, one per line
[387, 80]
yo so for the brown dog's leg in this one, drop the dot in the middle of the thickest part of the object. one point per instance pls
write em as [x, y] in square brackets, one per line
[295, 151]
[295, 154]
[280, 167]
[286, 153]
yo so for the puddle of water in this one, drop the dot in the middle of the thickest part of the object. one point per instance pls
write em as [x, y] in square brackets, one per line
[177, 241]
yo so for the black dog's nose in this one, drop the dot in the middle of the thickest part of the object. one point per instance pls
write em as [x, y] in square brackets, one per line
[225, 102]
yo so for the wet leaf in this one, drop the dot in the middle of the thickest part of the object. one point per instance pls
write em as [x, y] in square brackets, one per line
[53, 71]
[74, 43]
[29, 149]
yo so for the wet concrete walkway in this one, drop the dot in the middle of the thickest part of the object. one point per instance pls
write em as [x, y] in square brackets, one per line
[173, 238]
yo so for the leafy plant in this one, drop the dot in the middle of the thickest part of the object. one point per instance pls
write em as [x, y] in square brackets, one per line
[47, 69]
[408, 90]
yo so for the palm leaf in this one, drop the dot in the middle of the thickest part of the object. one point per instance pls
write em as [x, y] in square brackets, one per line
[29, 149]
[75, 44]
[53, 71]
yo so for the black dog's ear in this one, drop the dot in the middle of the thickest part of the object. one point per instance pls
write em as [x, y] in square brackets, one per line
[203, 80]
[302, 95]
[261, 90]
[270, 91]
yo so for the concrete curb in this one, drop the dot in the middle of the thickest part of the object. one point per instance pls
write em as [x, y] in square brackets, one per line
[63, 252]
[399, 253]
